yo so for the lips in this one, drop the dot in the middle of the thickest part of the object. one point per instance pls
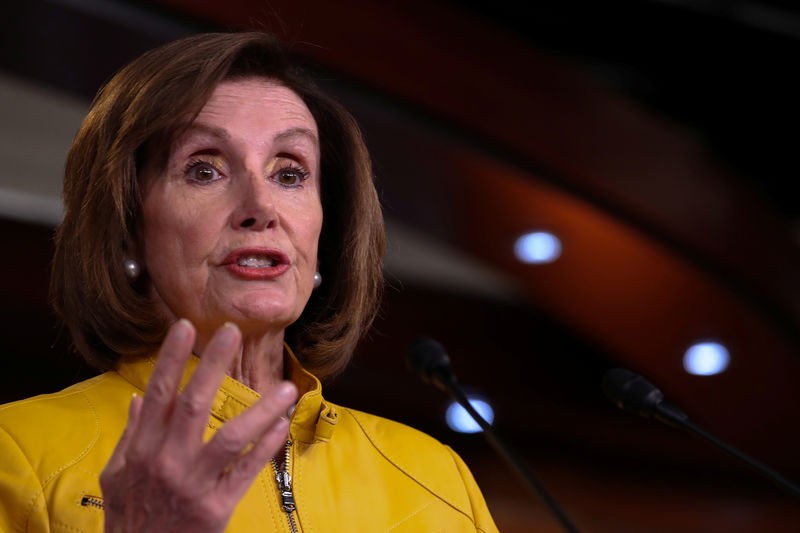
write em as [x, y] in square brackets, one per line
[256, 263]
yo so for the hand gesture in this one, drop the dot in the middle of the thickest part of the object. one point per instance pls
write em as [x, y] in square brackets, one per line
[162, 477]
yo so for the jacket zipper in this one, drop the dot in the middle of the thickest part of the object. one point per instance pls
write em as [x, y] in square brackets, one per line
[92, 501]
[284, 479]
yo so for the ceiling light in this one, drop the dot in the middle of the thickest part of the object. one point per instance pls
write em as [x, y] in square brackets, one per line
[706, 359]
[460, 420]
[537, 247]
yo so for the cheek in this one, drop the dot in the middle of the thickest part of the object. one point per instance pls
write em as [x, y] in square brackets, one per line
[171, 236]
[303, 221]
[312, 239]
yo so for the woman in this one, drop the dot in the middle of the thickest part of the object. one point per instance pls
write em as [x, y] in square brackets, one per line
[220, 218]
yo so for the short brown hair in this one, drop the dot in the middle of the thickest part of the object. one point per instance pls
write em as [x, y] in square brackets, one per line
[133, 119]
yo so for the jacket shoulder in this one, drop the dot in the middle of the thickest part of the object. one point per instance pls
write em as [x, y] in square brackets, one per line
[43, 416]
[52, 448]
[68, 421]
[418, 455]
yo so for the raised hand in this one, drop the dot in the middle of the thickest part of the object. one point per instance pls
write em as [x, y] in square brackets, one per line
[162, 477]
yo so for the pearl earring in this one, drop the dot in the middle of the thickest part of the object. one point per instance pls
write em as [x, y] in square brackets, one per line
[317, 279]
[132, 270]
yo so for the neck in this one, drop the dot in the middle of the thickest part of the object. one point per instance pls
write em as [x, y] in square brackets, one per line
[259, 363]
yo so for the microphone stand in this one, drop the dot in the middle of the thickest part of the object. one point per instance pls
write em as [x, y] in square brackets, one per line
[632, 392]
[673, 416]
[529, 479]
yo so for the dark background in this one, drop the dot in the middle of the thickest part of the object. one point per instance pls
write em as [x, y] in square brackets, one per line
[657, 139]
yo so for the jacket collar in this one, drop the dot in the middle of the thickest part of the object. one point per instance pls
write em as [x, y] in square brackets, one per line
[312, 418]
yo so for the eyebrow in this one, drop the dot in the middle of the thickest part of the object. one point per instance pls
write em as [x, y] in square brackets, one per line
[206, 128]
[290, 134]
[293, 133]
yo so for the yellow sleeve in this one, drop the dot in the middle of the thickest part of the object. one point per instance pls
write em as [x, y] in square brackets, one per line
[480, 512]
[22, 505]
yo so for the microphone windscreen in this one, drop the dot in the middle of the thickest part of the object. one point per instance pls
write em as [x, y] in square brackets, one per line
[631, 391]
[427, 357]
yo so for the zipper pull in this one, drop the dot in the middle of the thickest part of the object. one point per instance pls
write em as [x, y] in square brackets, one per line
[92, 501]
[284, 480]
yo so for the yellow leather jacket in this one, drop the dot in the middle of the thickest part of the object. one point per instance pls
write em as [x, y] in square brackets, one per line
[350, 471]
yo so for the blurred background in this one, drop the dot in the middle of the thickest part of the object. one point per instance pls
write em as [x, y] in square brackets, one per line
[648, 149]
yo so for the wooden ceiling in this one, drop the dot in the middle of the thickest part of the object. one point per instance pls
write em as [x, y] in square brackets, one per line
[649, 136]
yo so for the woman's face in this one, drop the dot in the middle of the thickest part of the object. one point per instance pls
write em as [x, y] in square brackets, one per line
[230, 229]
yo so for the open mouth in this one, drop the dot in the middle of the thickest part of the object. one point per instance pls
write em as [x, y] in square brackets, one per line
[256, 261]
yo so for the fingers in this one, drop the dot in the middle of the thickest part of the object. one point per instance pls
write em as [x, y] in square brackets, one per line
[243, 470]
[166, 377]
[117, 460]
[192, 407]
[263, 425]
[116, 463]
[162, 445]
[161, 391]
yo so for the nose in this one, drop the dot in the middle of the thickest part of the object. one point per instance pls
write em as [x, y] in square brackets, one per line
[255, 208]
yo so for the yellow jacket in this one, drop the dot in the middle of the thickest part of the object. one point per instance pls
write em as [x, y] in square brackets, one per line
[350, 471]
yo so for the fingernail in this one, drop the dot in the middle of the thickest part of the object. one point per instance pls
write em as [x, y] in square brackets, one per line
[281, 425]
[228, 333]
[132, 405]
[286, 390]
[182, 328]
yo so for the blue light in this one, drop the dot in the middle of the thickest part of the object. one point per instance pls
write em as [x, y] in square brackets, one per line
[460, 420]
[706, 359]
[537, 247]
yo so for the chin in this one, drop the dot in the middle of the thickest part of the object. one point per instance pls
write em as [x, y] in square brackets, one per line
[266, 316]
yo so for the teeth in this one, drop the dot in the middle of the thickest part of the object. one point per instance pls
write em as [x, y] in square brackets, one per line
[255, 261]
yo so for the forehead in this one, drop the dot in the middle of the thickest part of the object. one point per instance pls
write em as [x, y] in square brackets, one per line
[256, 104]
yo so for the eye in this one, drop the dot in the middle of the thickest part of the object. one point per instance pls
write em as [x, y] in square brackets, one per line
[291, 176]
[201, 171]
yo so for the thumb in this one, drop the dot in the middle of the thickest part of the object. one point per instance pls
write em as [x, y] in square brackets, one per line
[117, 460]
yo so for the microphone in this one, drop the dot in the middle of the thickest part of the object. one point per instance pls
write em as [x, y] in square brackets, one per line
[632, 392]
[428, 358]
